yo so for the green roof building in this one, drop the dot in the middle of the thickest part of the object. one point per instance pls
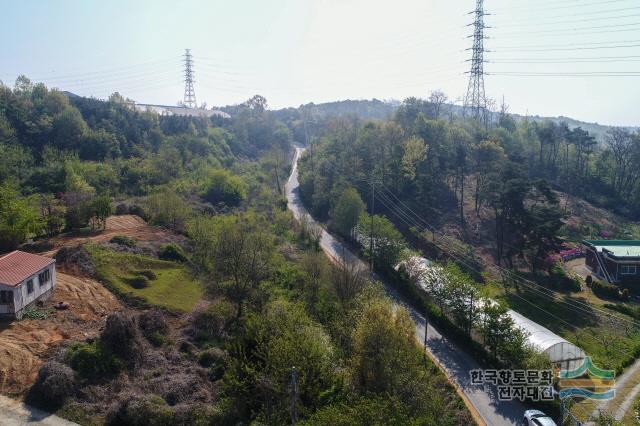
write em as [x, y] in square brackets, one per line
[614, 261]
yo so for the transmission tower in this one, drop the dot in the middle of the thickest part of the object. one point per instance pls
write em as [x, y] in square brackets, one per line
[189, 91]
[475, 102]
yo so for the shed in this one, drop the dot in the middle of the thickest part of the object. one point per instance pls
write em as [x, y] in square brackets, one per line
[25, 279]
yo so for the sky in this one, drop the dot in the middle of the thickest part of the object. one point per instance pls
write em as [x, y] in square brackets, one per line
[575, 58]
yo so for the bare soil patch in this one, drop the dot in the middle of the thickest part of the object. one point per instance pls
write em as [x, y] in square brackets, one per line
[25, 345]
[128, 225]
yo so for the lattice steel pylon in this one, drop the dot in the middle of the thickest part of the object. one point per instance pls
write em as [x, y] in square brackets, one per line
[189, 91]
[475, 102]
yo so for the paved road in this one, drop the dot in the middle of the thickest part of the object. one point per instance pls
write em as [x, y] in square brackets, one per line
[450, 356]
[15, 413]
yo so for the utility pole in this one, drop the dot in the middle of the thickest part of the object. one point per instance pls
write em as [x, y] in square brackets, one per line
[294, 391]
[189, 92]
[426, 328]
[475, 102]
[373, 199]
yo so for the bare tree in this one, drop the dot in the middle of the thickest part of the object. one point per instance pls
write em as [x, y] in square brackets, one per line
[437, 98]
[348, 279]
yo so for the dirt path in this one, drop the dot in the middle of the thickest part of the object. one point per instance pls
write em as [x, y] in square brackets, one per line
[25, 345]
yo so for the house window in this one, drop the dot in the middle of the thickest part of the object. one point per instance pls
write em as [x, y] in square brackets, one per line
[44, 277]
[6, 297]
[627, 269]
[30, 286]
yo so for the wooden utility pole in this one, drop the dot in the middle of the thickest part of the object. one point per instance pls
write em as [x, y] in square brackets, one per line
[294, 391]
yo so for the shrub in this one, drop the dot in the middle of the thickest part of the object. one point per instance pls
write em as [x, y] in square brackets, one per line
[76, 259]
[589, 280]
[138, 211]
[121, 337]
[153, 326]
[211, 323]
[147, 273]
[92, 361]
[122, 209]
[210, 356]
[605, 290]
[141, 411]
[123, 241]
[225, 188]
[55, 382]
[172, 252]
[138, 282]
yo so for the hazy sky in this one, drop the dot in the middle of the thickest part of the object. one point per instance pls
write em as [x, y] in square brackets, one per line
[298, 51]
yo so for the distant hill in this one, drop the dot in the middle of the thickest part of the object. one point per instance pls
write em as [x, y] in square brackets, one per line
[375, 109]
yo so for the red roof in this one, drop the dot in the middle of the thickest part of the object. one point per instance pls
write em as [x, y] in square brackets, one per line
[17, 266]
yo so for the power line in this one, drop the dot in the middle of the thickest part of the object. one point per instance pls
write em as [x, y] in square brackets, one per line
[535, 287]
[537, 24]
[560, 74]
[566, 6]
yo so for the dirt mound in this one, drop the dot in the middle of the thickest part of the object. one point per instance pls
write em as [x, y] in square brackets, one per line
[26, 344]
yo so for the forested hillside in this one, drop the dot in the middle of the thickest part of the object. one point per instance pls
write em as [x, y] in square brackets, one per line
[493, 205]
[224, 297]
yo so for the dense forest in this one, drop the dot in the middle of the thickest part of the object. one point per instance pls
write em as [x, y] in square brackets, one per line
[271, 304]
[509, 174]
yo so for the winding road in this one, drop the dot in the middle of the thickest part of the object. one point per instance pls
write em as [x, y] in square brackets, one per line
[452, 358]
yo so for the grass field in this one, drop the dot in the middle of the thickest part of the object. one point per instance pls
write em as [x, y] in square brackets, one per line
[171, 285]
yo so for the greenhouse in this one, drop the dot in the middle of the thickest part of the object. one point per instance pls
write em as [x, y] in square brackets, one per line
[561, 352]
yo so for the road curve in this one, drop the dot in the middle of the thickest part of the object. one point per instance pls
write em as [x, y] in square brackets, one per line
[448, 354]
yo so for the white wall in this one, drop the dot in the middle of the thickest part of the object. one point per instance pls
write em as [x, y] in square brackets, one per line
[22, 298]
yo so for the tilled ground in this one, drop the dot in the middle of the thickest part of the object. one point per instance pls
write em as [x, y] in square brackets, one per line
[26, 344]
[127, 225]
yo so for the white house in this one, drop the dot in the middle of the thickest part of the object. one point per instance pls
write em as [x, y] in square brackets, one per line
[25, 278]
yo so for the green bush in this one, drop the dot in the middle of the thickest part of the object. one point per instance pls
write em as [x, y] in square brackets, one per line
[139, 281]
[123, 241]
[148, 274]
[173, 252]
[601, 289]
[141, 411]
[210, 356]
[212, 322]
[92, 361]
[154, 327]
[225, 188]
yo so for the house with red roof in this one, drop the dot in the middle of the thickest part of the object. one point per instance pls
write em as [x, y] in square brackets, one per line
[25, 279]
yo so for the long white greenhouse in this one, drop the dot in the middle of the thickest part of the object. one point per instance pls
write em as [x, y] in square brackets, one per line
[561, 352]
